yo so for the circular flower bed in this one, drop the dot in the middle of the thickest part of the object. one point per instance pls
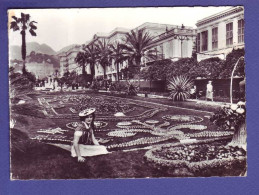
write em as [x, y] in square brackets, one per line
[152, 121]
[202, 160]
[182, 118]
[121, 134]
[126, 132]
[124, 123]
[189, 126]
[98, 124]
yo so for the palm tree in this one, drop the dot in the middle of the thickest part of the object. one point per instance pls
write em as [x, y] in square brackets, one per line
[136, 46]
[91, 57]
[81, 60]
[118, 55]
[22, 24]
[103, 55]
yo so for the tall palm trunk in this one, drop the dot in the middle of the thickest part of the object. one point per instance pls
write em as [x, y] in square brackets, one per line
[92, 71]
[84, 75]
[117, 64]
[83, 70]
[105, 76]
[23, 51]
[138, 62]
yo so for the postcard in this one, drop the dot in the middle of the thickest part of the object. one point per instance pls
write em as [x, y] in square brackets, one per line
[105, 93]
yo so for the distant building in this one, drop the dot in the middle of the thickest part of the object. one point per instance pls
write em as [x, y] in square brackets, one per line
[67, 60]
[41, 70]
[218, 34]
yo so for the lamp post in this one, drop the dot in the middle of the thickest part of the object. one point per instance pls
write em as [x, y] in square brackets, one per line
[182, 38]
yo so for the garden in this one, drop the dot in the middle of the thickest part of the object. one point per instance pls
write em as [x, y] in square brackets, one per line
[143, 138]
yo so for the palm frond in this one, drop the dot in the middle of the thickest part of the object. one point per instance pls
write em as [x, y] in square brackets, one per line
[179, 87]
[14, 26]
[33, 33]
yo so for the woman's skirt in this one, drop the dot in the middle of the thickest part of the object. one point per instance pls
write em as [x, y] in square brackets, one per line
[89, 150]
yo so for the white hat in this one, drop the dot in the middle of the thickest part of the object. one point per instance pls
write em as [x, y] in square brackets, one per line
[87, 112]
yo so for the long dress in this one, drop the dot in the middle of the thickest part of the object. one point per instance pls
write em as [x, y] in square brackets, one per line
[209, 91]
[85, 143]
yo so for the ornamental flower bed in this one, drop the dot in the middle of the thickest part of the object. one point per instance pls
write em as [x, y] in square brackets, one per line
[189, 126]
[210, 134]
[183, 118]
[140, 141]
[98, 124]
[152, 121]
[200, 160]
[127, 133]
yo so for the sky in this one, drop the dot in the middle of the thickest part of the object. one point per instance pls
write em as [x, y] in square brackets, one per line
[59, 28]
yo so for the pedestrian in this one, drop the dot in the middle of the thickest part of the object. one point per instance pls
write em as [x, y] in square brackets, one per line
[85, 143]
[209, 91]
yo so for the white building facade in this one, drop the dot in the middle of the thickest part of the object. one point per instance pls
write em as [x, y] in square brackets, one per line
[67, 60]
[170, 41]
[117, 35]
[219, 34]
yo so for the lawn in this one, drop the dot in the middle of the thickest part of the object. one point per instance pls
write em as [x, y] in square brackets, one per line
[32, 156]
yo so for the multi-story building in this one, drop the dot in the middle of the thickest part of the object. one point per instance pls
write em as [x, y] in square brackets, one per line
[170, 42]
[219, 34]
[67, 60]
[117, 35]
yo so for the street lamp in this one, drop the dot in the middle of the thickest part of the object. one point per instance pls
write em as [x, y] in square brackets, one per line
[182, 38]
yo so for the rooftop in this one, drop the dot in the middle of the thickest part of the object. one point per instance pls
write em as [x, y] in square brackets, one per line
[220, 15]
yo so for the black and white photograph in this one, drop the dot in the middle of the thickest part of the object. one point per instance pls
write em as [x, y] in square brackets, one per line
[140, 92]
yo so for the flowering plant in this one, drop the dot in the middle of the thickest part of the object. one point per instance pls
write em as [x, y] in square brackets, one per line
[230, 116]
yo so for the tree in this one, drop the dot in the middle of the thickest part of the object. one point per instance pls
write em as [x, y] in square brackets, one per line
[103, 56]
[80, 59]
[159, 69]
[23, 24]
[136, 46]
[91, 58]
[210, 68]
[181, 67]
[156, 70]
[230, 62]
[118, 55]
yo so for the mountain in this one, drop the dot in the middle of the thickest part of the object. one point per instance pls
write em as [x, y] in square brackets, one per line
[64, 49]
[15, 50]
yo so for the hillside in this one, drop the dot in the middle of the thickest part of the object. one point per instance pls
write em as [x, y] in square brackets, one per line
[15, 50]
[41, 58]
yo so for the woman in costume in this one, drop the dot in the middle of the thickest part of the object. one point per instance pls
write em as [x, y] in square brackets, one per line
[85, 143]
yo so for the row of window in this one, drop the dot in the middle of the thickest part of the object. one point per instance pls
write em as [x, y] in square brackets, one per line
[202, 38]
